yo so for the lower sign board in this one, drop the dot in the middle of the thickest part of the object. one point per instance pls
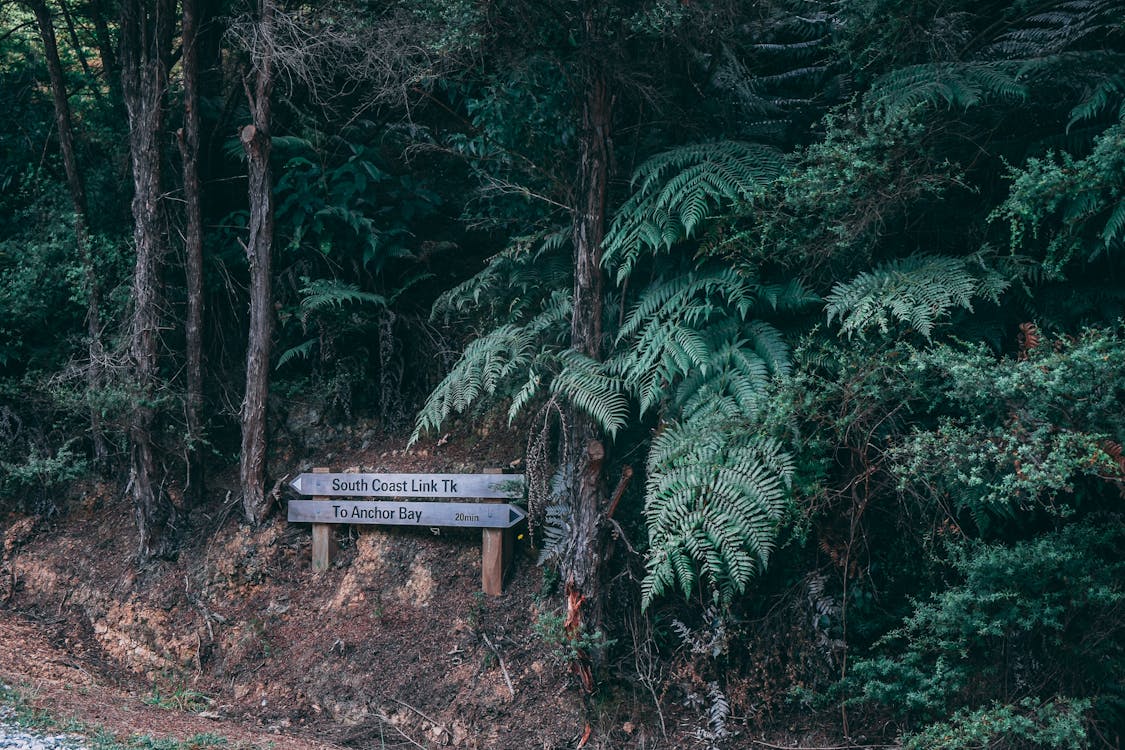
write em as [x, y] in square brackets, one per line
[486, 515]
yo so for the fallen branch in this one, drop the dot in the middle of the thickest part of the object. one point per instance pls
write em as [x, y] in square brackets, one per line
[387, 721]
[500, 660]
[427, 718]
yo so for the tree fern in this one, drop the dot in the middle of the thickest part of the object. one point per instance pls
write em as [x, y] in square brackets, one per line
[714, 497]
[515, 279]
[674, 192]
[963, 85]
[587, 385]
[493, 362]
[319, 294]
[917, 291]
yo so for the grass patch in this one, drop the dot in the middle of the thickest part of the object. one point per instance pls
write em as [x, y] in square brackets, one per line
[17, 710]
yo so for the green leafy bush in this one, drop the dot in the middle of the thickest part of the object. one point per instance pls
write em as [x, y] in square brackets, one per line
[1029, 621]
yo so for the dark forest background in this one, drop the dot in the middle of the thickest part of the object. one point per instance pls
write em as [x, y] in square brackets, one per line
[839, 286]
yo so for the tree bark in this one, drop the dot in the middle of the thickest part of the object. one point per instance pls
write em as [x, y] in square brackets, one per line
[581, 568]
[81, 232]
[145, 38]
[76, 43]
[105, 47]
[189, 140]
[256, 142]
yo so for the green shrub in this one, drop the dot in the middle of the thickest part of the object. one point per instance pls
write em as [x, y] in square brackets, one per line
[1026, 623]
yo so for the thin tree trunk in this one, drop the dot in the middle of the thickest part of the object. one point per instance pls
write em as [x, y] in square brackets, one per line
[145, 37]
[581, 568]
[78, 200]
[75, 42]
[105, 46]
[256, 141]
[189, 138]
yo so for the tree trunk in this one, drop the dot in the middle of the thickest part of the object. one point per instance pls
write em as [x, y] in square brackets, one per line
[105, 47]
[256, 141]
[581, 569]
[145, 38]
[81, 233]
[76, 43]
[189, 139]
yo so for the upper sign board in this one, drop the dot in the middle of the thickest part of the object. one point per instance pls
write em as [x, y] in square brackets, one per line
[410, 485]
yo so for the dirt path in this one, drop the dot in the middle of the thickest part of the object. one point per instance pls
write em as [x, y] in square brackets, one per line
[59, 682]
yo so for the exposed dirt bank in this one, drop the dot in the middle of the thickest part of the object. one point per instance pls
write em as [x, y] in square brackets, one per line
[392, 647]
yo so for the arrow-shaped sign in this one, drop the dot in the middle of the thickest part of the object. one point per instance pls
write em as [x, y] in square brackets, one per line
[486, 515]
[410, 485]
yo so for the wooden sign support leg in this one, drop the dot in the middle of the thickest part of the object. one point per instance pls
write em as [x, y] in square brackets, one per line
[495, 555]
[323, 540]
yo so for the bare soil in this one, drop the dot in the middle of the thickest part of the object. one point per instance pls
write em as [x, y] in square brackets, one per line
[394, 646]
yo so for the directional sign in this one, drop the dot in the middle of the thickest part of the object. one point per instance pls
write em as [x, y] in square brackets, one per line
[410, 485]
[487, 515]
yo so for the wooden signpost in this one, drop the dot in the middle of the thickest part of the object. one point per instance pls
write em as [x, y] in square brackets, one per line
[494, 518]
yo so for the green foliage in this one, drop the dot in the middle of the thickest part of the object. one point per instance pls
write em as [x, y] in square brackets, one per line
[1016, 437]
[43, 475]
[565, 647]
[493, 362]
[691, 345]
[902, 91]
[918, 291]
[715, 495]
[42, 284]
[675, 191]
[349, 203]
[1077, 206]
[841, 196]
[1056, 724]
[177, 696]
[1034, 620]
[584, 382]
[514, 281]
[318, 294]
[696, 328]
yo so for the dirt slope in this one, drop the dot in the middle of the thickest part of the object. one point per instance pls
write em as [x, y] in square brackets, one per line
[394, 646]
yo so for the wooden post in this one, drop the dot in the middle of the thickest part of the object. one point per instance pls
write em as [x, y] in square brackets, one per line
[495, 554]
[323, 540]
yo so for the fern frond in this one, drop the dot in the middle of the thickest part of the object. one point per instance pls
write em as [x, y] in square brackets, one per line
[586, 384]
[917, 291]
[1114, 231]
[302, 350]
[1064, 26]
[524, 395]
[716, 492]
[676, 191]
[514, 278]
[953, 84]
[556, 530]
[317, 294]
[788, 297]
[672, 299]
[491, 363]
[691, 338]
[1107, 92]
